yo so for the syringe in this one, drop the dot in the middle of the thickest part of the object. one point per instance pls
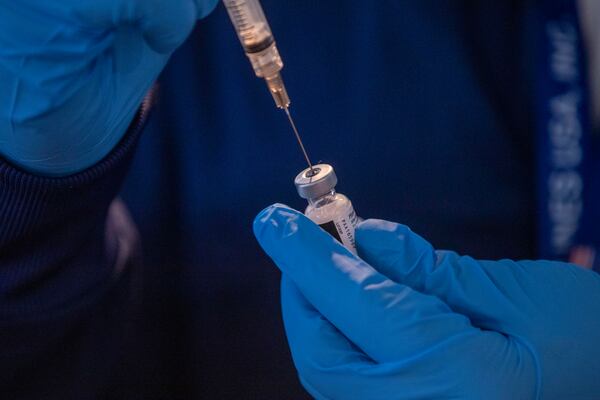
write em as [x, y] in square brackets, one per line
[259, 45]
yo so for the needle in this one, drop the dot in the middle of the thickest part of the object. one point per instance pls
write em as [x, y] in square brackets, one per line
[287, 111]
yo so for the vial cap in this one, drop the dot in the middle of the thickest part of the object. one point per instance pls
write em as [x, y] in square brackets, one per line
[316, 182]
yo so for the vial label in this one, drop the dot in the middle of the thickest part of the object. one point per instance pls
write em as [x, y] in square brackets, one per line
[342, 228]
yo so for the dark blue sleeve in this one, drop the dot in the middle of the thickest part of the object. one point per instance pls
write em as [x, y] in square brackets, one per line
[68, 271]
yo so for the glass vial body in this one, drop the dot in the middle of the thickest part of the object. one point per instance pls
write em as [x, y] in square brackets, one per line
[334, 213]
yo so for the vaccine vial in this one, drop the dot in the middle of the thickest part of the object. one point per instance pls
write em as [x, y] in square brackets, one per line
[330, 210]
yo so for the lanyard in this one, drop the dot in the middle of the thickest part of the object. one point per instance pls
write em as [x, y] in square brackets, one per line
[567, 221]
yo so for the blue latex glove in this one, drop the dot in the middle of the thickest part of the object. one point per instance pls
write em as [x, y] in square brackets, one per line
[412, 323]
[74, 72]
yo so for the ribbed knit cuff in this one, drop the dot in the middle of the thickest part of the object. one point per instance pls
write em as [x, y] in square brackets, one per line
[52, 250]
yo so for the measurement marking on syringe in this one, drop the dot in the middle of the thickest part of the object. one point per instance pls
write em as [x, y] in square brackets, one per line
[259, 45]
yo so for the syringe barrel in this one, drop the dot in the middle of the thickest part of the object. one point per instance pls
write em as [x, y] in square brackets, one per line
[258, 42]
[250, 24]
[255, 35]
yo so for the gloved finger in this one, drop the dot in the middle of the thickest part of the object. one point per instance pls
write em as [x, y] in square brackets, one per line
[325, 359]
[483, 365]
[386, 320]
[165, 24]
[489, 293]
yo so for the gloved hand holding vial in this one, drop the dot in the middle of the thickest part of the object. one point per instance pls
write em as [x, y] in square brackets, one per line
[401, 320]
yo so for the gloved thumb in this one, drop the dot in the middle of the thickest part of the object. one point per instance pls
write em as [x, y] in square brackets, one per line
[490, 293]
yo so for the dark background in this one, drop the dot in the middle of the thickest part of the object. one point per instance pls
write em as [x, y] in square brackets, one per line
[424, 108]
